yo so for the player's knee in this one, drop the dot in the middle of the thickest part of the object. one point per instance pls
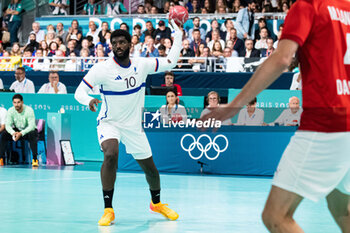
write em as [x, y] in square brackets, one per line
[110, 159]
[271, 219]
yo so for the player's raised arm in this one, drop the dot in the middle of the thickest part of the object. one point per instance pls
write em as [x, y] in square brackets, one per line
[170, 61]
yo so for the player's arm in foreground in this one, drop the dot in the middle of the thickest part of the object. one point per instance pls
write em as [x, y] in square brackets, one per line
[81, 94]
[264, 76]
[169, 62]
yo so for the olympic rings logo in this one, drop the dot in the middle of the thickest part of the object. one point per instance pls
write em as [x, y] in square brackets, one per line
[204, 149]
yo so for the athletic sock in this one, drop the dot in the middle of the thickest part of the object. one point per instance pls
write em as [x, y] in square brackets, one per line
[155, 196]
[108, 197]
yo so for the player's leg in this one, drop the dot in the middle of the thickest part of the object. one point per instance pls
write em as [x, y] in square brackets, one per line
[32, 138]
[153, 180]
[109, 167]
[279, 210]
[4, 139]
[339, 206]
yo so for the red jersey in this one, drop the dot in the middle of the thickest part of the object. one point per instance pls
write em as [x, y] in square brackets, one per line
[322, 30]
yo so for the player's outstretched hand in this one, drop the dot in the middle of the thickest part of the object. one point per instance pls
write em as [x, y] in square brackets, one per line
[93, 104]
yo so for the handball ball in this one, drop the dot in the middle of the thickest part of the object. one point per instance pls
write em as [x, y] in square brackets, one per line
[176, 117]
[179, 14]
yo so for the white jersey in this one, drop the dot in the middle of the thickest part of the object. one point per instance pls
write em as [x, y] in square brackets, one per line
[122, 89]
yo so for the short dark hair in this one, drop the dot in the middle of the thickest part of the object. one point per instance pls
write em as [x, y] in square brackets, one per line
[18, 96]
[169, 73]
[137, 26]
[196, 30]
[161, 47]
[127, 27]
[21, 68]
[54, 72]
[253, 101]
[120, 32]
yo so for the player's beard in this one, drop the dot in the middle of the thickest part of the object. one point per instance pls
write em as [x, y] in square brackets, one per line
[125, 55]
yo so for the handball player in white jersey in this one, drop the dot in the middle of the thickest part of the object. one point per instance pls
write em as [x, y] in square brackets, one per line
[122, 87]
[316, 163]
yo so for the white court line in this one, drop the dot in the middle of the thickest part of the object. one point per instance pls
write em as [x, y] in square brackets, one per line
[59, 179]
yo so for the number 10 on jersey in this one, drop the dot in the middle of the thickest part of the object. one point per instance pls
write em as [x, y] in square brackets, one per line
[130, 82]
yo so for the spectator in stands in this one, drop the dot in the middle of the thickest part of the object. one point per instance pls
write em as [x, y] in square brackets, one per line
[22, 84]
[209, 6]
[213, 100]
[43, 45]
[196, 26]
[115, 7]
[238, 44]
[161, 51]
[279, 34]
[236, 6]
[186, 52]
[261, 24]
[33, 45]
[20, 123]
[148, 6]
[40, 63]
[39, 34]
[136, 46]
[217, 50]
[141, 9]
[59, 7]
[85, 45]
[54, 86]
[169, 79]
[50, 36]
[215, 26]
[154, 10]
[61, 46]
[137, 32]
[91, 8]
[168, 43]
[221, 4]
[229, 26]
[16, 55]
[61, 32]
[150, 30]
[215, 38]
[27, 59]
[251, 115]
[124, 26]
[93, 32]
[196, 35]
[150, 51]
[100, 54]
[74, 32]
[162, 31]
[250, 51]
[195, 7]
[5, 64]
[53, 47]
[291, 115]
[270, 49]
[262, 43]
[285, 7]
[245, 22]
[172, 111]
[102, 33]
[72, 64]
[59, 62]
[13, 11]
[87, 63]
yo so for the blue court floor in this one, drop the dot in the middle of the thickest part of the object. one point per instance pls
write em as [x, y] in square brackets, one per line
[70, 201]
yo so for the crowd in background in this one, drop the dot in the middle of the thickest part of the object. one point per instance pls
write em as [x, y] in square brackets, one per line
[57, 47]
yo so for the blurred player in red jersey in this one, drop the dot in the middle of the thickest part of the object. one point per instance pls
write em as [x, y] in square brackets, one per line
[316, 163]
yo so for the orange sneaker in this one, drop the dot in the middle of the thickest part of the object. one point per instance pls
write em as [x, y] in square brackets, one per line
[164, 210]
[107, 218]
[1, 162]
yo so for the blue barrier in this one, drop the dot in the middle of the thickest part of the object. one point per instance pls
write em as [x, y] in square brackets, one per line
[184, 79]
